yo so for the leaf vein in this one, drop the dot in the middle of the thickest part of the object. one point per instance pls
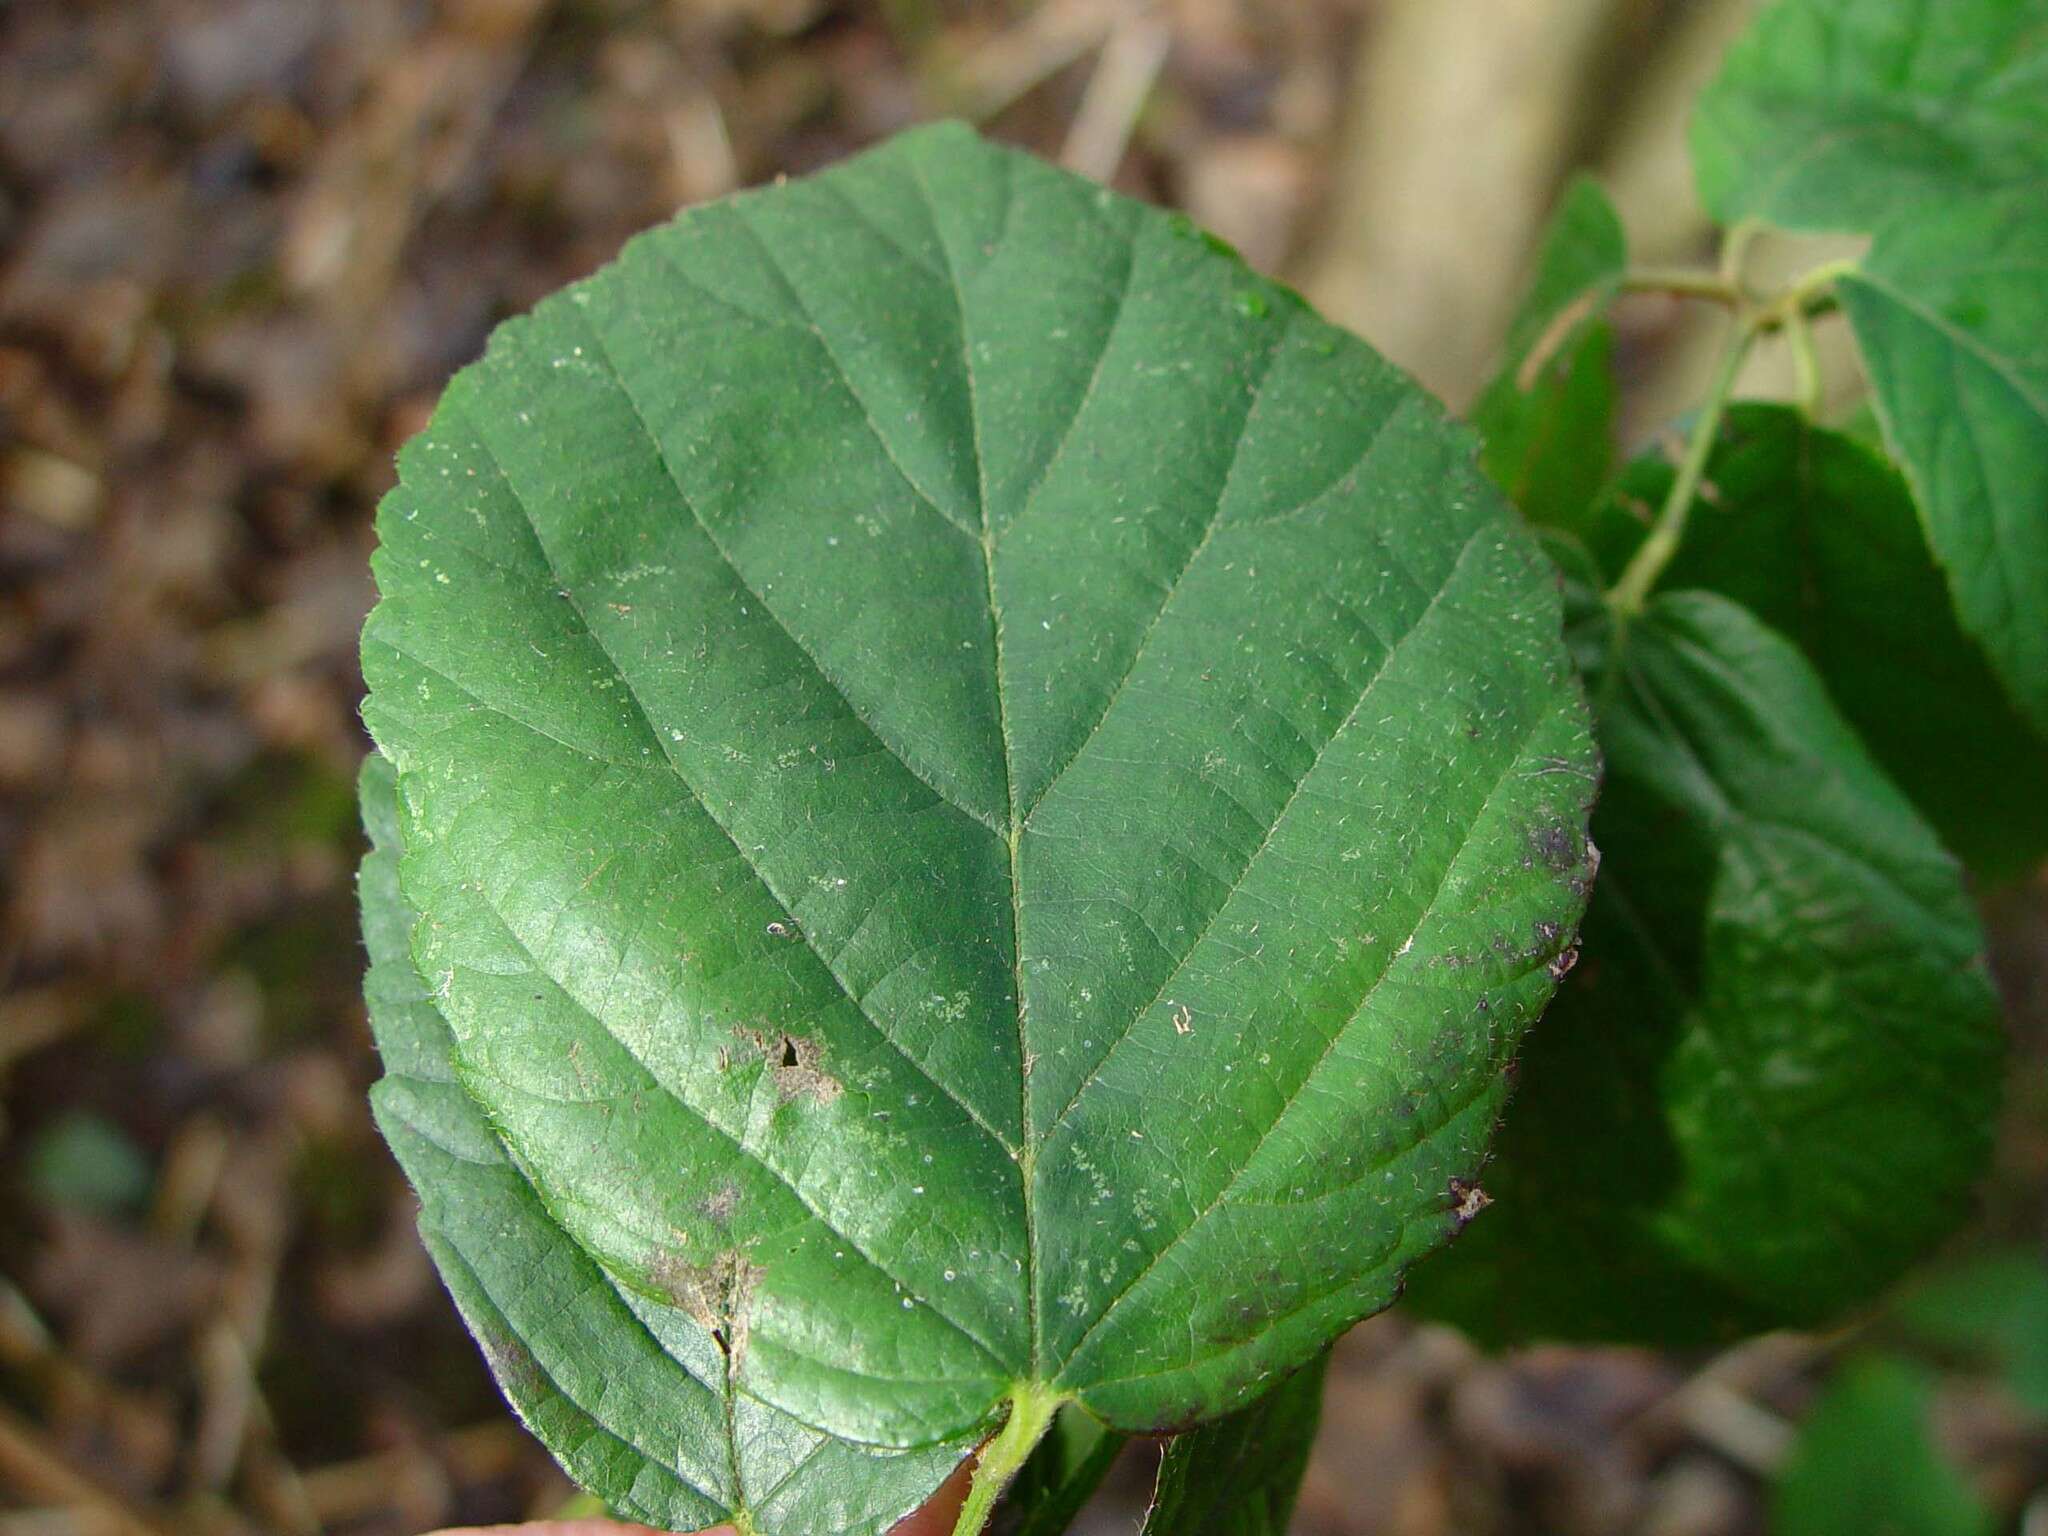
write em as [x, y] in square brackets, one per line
[1272, 829]
[701, 801]
[1450, 868]
[1173, 586]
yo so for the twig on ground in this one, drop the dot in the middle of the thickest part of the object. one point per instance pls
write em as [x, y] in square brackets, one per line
[1116, 94]
[30, 1460]
[1007, 66]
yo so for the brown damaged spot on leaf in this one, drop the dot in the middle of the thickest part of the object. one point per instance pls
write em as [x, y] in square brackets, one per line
[1543, 945]
[1561, 848]
[1567, 853]
[512, 1363]
[793, 1062]
[1467, 1200]
[1584, 883]
[719, 1205]
[718, 1296]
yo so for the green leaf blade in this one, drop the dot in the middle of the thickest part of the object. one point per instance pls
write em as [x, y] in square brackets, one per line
[1991, 1311]
[1768, 1085]
[956, 743]
[1926, 126]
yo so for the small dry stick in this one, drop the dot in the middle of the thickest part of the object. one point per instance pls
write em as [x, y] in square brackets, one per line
[30, 1460]
[1123, 79]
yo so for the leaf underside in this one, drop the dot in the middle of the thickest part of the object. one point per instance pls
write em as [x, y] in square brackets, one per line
[988, 798]
[1769, 1084]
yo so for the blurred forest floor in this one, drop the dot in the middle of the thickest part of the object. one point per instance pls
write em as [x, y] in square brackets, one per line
[242, 245]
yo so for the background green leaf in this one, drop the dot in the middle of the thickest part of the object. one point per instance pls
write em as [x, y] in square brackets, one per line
[1547, 417]
[1839, 114]
[1990, 1311]
[84, 1162]
[1240, 1475]
[1865, 1463]
[1950, 310]
[1769, 1083]
[989, 797]
[1817, 535]
[632, 1396]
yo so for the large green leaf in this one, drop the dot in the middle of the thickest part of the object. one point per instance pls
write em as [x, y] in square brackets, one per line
[1816, 535]
[1866, 1464]
[1839, 114]
[1950, 310]
[989, 797]
[1547, 417]
[1240, 1476]
[1771, 1080]
[631, 1394]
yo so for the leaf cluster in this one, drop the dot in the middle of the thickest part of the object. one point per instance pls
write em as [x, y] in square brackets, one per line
[1770, 1084]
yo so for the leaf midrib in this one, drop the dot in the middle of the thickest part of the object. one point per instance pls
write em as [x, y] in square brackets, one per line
[1024, 1156]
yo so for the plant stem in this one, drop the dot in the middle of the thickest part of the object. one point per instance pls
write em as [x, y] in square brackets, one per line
[1735, 250]
[1811, 294]
[1809, 290]
[1682, 282]
[1805, 361]
[1788, 309]
[1031, 1411]
[1629, 594]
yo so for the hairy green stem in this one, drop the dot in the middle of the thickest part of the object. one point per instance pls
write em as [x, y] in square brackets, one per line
[1031, 1412]
[1810, 293]
[1629, 594]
